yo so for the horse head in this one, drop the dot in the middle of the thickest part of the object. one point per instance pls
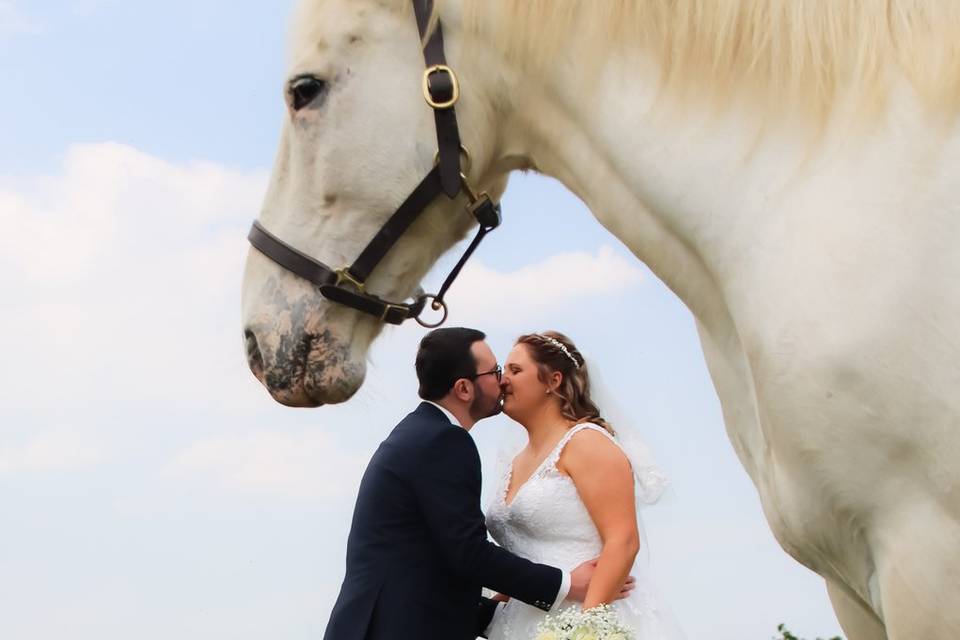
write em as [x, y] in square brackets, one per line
[357, 138]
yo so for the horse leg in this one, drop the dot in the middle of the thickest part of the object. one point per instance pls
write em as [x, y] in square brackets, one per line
[857, 621]
[918, 570]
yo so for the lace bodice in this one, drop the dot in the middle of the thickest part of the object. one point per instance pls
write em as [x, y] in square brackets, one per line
[546, 522]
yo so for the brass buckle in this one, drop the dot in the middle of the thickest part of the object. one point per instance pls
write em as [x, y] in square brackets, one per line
[344, 274]
[386, 309]
[440, 68]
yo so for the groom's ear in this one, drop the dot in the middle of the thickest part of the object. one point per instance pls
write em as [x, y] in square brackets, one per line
[463, 390]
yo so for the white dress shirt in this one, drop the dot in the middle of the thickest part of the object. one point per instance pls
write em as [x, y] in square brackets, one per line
[566, 578]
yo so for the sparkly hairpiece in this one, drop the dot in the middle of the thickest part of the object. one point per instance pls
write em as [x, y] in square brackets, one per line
[559, 345]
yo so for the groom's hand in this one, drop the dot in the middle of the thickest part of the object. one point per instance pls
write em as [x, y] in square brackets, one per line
[580, 582]
[629, 584]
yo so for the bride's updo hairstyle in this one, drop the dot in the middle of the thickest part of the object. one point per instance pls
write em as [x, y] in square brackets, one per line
[553, 351]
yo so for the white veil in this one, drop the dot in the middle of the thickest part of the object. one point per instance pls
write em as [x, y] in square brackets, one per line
[650, 482]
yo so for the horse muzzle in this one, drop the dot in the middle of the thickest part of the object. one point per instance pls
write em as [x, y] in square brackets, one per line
[306, 370]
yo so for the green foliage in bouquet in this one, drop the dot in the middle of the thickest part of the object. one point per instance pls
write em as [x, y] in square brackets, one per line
[786, 635]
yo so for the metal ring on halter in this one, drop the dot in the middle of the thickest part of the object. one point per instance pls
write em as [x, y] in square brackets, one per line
[463, 152]
[435, 305]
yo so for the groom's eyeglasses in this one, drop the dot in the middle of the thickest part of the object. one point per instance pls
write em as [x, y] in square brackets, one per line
[497, 371]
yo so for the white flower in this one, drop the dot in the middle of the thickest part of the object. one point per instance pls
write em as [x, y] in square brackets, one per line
[598, 623]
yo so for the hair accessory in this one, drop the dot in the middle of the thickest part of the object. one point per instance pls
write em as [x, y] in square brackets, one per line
[559, 345]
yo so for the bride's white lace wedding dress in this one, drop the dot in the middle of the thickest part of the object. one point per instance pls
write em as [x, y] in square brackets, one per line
[548, 523]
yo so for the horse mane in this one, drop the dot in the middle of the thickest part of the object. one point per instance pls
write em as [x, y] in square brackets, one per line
[789, 57]
[795, 56]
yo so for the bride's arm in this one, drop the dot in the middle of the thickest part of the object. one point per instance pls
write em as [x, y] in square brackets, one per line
[604, 480]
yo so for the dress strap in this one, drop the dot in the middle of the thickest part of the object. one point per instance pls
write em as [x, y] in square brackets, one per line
[554, 457]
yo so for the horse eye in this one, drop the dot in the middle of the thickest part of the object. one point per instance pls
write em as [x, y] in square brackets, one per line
[303, 90]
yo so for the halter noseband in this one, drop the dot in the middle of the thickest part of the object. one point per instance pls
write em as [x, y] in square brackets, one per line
[441, 90]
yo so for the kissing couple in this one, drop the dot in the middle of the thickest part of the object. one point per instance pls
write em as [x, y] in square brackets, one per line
[564, 517]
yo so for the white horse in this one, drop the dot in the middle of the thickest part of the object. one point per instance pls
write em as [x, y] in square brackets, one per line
[791, 169]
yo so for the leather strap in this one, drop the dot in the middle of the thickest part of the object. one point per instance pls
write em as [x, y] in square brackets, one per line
[411, 208]
[289, 258]
[441, 90]
[391, 312]
[326, 278]
[488, 216]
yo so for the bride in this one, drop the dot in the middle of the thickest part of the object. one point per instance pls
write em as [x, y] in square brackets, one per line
[571, 494]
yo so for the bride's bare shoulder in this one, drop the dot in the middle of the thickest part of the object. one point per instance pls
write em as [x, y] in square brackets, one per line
[591, 448]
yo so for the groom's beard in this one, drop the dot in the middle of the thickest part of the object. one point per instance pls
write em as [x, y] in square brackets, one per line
[485, 406]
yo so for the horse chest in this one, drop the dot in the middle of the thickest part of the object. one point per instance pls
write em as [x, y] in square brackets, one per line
[794, 418]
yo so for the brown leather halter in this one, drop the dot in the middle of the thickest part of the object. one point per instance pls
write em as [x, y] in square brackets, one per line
[441, 90]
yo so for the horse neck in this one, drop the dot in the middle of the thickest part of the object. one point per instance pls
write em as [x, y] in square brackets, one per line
[670, 185]
[706, 195]
[603, 140]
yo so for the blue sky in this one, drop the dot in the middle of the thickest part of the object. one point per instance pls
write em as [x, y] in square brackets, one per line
[150, 487]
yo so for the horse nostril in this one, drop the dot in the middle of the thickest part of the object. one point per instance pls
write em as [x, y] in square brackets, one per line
[254, 358]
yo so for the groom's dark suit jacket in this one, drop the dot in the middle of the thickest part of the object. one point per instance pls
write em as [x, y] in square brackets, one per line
[418, 552]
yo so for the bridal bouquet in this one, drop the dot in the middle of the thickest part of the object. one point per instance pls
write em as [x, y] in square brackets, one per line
[598, 623]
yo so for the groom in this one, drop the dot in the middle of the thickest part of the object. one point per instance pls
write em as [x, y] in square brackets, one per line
[418, 553]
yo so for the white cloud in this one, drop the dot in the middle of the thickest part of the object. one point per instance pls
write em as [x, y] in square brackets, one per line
[306, 465]
[556, 282]
[122, 277]
[58, 450]
[13, 21]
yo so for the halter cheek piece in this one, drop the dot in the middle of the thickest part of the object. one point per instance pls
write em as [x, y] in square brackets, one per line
[347, 285]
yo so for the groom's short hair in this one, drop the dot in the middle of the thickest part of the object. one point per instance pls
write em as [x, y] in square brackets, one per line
[443, 358]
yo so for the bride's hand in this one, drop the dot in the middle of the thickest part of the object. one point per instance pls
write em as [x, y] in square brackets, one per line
[625, 590]
[499, 597]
